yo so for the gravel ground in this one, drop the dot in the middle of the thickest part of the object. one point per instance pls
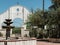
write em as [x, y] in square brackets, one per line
[46, 43]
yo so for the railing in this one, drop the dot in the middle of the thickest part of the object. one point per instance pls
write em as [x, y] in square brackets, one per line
[19, 42]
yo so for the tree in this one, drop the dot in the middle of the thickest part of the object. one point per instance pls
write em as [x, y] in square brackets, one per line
[55, 16]
[55, 1]
[35, 19]
[55, 4]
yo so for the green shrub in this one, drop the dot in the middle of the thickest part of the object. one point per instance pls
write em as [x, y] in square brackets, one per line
[1, 34]
[16, 31]
[25, 35]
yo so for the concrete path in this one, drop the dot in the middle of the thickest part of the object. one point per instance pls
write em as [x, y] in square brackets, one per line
[46, 43]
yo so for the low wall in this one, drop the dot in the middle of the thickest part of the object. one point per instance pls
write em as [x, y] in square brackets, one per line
[19, 42]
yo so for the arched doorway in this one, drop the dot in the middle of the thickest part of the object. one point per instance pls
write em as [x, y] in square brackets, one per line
[17, 22]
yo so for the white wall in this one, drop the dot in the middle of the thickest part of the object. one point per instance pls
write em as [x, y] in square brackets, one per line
[12, 11]
[21, 42]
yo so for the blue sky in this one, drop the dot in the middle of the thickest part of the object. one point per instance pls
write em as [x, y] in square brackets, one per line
[17, 22]
[5, 4]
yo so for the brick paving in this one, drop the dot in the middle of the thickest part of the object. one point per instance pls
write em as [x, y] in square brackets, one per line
[46, 43]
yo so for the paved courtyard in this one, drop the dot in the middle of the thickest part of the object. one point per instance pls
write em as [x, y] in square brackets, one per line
[46, 43]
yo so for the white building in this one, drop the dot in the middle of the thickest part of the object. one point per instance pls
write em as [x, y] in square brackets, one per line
[13, 12]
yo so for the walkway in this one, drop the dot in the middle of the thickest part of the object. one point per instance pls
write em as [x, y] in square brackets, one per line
[46, 43]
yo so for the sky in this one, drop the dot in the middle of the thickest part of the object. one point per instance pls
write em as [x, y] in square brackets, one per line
[5, 4]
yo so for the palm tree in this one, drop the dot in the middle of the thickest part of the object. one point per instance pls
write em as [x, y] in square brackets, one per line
[55, 4]
[55, 1]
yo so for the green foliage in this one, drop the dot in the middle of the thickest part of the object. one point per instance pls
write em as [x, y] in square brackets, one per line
[56, 1]
[16, 31]
[36, 19]
[40, 36]
[55, 4]
[50, 18]
[33, 33]
[54, 19]
[1, 34]
[25, 35]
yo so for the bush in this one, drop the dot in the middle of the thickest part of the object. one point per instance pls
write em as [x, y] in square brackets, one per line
[40, 36]
[16, 31]
[1, 34]
[25, 35]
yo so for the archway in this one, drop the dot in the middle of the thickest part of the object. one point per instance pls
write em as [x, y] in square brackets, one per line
[17, 22]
